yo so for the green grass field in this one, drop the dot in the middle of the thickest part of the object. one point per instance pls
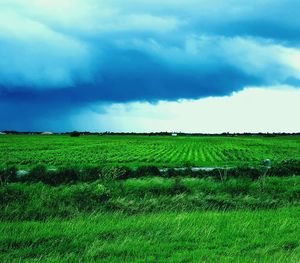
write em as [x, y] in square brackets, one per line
[236, 236]
[145, 218]
[133, 151]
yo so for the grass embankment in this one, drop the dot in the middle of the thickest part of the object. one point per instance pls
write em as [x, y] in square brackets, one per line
[234, 236]
[38, 201]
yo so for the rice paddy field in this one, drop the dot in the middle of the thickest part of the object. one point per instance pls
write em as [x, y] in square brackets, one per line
[93, 213]
[134, 151]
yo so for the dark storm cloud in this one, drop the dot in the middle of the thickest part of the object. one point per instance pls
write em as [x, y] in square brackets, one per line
[60, 56]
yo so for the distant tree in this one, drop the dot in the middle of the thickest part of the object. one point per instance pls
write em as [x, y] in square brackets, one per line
[75, 134]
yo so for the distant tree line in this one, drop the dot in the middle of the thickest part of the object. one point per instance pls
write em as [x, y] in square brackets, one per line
[78, 133]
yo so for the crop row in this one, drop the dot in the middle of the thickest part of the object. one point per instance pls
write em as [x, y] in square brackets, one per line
[142, 150]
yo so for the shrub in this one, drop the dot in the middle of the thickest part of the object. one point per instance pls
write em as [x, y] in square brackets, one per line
[8, 175]
[125, 173]
[252, 173]
[90, 174]
[286, 168]
[204, 173]
[172, 173]
[36, 174]
[147, 171]
[61, 176]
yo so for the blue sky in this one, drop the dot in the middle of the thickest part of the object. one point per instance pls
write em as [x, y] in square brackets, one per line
[195, 66]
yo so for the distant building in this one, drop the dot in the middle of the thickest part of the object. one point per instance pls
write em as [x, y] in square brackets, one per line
[174, 134]
[47, 133]
[2, 133]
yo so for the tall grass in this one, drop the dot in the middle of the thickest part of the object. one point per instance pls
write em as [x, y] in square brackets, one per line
[38, 201]
[232, 236]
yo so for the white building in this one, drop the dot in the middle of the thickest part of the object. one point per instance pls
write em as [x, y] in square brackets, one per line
[47, 133]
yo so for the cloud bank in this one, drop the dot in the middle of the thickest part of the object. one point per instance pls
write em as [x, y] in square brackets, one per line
[58, 57]
[249, 110]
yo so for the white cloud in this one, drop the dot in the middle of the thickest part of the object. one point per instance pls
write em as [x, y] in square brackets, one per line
[33, 54]
[141, 22]
[256, 57]
[90, 16]
[250, 110]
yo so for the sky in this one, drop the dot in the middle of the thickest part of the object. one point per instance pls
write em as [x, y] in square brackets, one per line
[147, 65]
